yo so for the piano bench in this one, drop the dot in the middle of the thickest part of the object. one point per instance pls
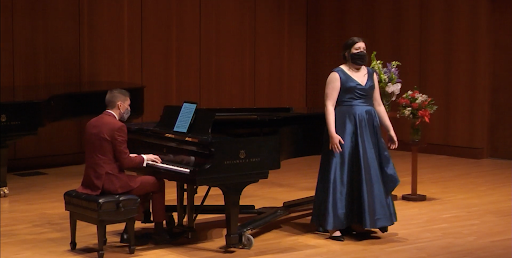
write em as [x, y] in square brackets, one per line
[102, 210]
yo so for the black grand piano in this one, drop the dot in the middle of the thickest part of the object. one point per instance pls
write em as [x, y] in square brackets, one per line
[23, 118]
[228, 148]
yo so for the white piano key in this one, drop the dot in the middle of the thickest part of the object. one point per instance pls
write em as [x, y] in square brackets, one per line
[169, 167]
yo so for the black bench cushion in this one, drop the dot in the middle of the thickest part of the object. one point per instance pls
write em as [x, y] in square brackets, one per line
[105, 207]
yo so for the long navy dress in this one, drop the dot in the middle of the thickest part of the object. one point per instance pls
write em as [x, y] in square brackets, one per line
[354, 186]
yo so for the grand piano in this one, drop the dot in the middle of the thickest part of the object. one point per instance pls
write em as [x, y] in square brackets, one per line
[23, 118]
[228, 148]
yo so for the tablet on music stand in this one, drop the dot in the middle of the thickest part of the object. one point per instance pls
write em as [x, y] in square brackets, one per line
[185, 117]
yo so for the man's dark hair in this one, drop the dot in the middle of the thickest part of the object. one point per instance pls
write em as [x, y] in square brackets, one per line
[347, 46]
[114, 96]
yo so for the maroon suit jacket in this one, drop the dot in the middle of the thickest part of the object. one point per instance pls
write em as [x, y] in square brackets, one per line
[106, 157]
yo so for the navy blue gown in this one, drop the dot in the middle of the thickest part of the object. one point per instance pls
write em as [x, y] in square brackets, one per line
[354, 186]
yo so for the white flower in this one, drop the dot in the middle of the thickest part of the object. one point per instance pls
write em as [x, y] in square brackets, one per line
[407, 111]
[421, 98]
[397, 88]
[390, 88]
[393, 88]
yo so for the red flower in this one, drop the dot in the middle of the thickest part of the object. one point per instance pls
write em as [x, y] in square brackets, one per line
[424, 114]
[411, 108]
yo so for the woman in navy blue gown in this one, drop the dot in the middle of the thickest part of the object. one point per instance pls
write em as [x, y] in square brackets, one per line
[356, 175]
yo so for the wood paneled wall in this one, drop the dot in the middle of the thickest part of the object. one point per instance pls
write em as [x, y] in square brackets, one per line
[45, 38]
[455, 69]
[171, 55]
[445, 48]
[264, 53]
[110, 42]
[6, 54]
[500, 91]
[280, 54]
[6, 57]
[227, 53]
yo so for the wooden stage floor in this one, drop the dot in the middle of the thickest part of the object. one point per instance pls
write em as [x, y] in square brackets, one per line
[467, 214]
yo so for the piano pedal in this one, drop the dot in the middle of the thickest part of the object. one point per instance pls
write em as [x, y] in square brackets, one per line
[195, 189]
[190, 233]
[170, 223]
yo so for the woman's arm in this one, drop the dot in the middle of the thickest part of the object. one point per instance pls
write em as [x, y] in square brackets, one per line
[383, 115]
[332, 89]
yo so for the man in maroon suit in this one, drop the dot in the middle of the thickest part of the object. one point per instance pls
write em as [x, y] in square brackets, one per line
[107, 155]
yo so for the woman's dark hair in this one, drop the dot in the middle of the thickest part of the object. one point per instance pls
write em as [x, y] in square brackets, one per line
[347, 46]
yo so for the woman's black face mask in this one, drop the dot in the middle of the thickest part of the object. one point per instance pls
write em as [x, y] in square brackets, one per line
[358, 58]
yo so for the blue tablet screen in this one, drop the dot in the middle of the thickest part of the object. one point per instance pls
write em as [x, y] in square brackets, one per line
[185, 117]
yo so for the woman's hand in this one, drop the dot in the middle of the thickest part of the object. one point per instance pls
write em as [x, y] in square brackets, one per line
[334, 143]
[392, 141]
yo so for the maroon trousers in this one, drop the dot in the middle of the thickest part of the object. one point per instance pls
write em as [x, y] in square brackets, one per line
[150, 187]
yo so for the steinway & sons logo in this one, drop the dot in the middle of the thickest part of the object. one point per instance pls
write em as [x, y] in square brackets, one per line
[3, 119]
[242, 155]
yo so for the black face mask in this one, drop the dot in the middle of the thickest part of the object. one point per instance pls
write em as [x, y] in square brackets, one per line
[358, 58]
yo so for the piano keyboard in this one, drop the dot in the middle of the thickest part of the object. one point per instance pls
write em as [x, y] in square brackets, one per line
[168, 167]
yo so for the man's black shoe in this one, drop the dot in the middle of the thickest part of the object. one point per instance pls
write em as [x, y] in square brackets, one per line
[161, 238]
[140, 240]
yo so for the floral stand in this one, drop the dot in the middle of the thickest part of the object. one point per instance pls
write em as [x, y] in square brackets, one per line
[415, 144]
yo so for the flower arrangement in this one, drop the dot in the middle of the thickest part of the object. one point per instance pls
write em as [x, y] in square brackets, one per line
[417, 107]
[389, 82]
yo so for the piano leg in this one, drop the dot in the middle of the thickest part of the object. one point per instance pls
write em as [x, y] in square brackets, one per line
[4, 152]
[180, 191]
[191, 192]
[232, 195]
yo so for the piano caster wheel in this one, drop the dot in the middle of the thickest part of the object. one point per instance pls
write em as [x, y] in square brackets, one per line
[247, 241]
[72, 245]
[4, 192]
[131, 249]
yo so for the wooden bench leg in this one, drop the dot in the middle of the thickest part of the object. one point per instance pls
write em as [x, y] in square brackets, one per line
[130, 226]
[72, 227]
[101, 231]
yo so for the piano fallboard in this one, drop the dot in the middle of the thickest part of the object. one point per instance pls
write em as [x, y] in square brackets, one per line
[226, 158]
